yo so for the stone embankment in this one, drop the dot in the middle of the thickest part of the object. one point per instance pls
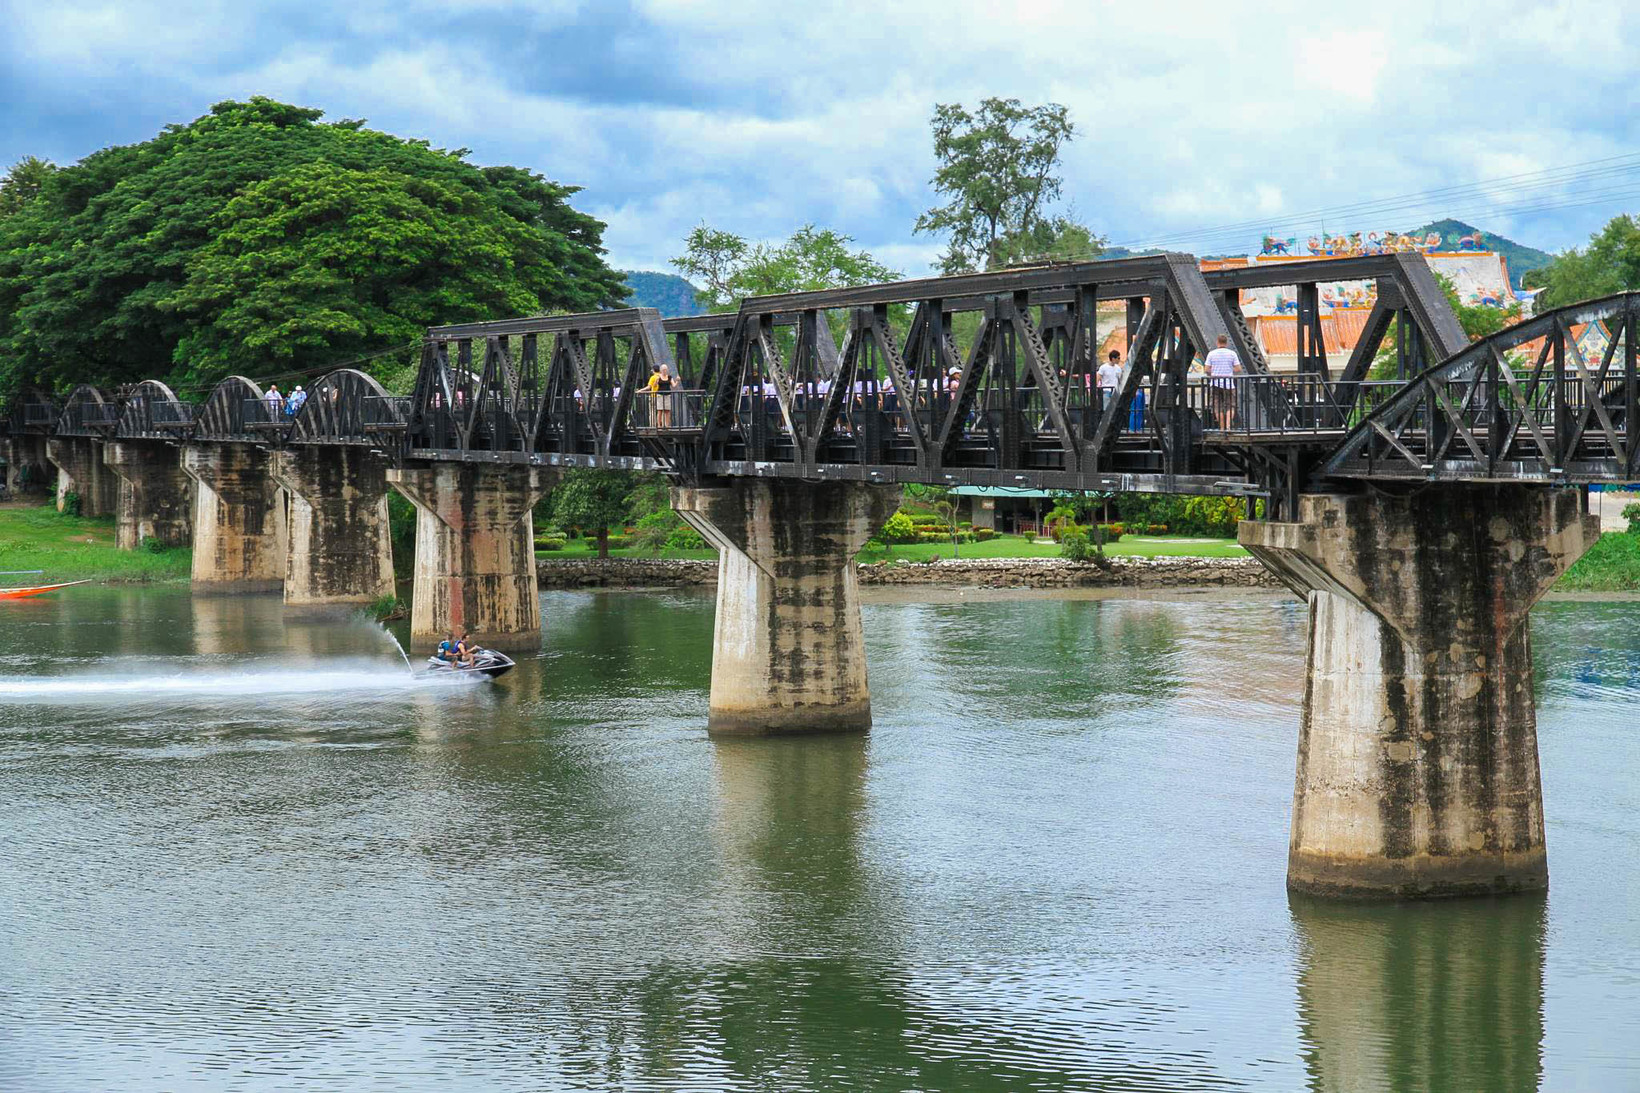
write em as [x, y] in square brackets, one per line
[1123, 572]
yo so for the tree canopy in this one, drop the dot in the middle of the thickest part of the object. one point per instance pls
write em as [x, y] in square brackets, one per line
[733, 269]
[593, 500]
[258, 239]
[997, 167]
[1609, 264]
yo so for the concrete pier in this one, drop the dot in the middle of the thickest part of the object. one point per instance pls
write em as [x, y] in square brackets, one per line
[27, 468]
[475, 552]
[1417, 757]
[80, 470]
[239, 519]
[155, 497]
[788, 653]
[341, 549]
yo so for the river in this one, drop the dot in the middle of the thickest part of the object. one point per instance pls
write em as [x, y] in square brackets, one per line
[244, 852]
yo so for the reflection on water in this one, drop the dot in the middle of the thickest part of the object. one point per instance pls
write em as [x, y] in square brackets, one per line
[1413, 998]
[250, 852]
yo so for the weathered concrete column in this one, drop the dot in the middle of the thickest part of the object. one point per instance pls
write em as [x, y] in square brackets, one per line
[1417, 754]
[155, 496]
[27, 469]
[79, 462]
[788, 653]
[475, 551]
[341, 549]
[239, 519]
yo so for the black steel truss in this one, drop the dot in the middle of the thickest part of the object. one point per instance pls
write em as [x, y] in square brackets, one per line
[982, 379]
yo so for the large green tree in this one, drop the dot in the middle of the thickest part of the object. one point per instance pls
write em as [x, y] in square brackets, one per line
[1609, 264]
[813, 258]
[998, 169]
[258, 239]
[593, 501]
[22, 184]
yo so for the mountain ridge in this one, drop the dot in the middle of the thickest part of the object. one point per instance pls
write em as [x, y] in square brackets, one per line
[667, 293]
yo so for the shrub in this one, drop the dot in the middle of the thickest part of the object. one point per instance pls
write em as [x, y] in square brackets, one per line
[1631, 513]
[899, 529]
[1074, 544]
[71, 503]
[684, 537]
[153, 545]
[619, 542]
[552, 542]
[982, 535]
[1111, 532]
[926, 519]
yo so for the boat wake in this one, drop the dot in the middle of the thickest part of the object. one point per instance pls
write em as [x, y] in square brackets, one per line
[294, 682]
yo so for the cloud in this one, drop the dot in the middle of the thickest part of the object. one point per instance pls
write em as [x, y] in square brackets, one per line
[670, 113]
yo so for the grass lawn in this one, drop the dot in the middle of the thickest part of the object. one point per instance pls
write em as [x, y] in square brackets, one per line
[1611, 565]
[72, 548]
[1003, 546]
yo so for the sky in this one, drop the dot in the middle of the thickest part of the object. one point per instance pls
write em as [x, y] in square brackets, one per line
[758, 118]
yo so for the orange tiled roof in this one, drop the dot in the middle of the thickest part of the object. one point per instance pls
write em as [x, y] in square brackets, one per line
[1279, 335]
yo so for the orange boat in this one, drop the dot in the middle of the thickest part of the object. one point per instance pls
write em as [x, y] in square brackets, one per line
[21, 593]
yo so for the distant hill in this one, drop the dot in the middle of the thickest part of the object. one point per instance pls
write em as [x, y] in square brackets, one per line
[667, 293]
[1520, 257]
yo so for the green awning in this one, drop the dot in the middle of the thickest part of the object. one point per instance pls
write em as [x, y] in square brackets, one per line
[1003, 491]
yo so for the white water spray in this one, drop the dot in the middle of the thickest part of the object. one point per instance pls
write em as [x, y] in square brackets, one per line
[291, 684]
[399, 647]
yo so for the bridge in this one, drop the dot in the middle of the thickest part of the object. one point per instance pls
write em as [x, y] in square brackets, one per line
[1420, 515]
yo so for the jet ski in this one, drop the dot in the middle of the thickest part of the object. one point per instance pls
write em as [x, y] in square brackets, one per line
[486, 662]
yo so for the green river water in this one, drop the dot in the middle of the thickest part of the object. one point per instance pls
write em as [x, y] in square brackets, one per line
[242, 852]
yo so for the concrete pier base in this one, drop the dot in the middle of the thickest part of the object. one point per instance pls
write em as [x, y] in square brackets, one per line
[1417, 757]
[27, 468]
[475, 552]
[80, 470]
[788, 654]
[239, 519]
[341, 549]
[155, 496]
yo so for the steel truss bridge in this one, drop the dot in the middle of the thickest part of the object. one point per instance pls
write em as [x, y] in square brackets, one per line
[983, 379]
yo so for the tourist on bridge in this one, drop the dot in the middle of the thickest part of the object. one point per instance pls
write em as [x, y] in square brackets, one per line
[1223, 366]
[1110, 374]
[660, 386]
[294, 403]
[275, 401]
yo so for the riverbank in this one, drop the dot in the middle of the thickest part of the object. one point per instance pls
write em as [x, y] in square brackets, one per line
[77, 548]
[1122, 572]
[71, 548]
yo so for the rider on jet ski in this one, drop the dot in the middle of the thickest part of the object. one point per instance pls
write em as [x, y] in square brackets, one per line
[455, 651]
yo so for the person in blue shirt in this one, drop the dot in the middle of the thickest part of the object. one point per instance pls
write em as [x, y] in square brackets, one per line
[448, 649]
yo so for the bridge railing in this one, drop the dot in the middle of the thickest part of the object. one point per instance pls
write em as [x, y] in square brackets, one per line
[40, 414]
[171, 415]
[99, 414]
[668, 411]
[261, 415]
[1296, 404]
[385, 413]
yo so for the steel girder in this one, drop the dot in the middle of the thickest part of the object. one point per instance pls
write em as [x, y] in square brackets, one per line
[1526, 404]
